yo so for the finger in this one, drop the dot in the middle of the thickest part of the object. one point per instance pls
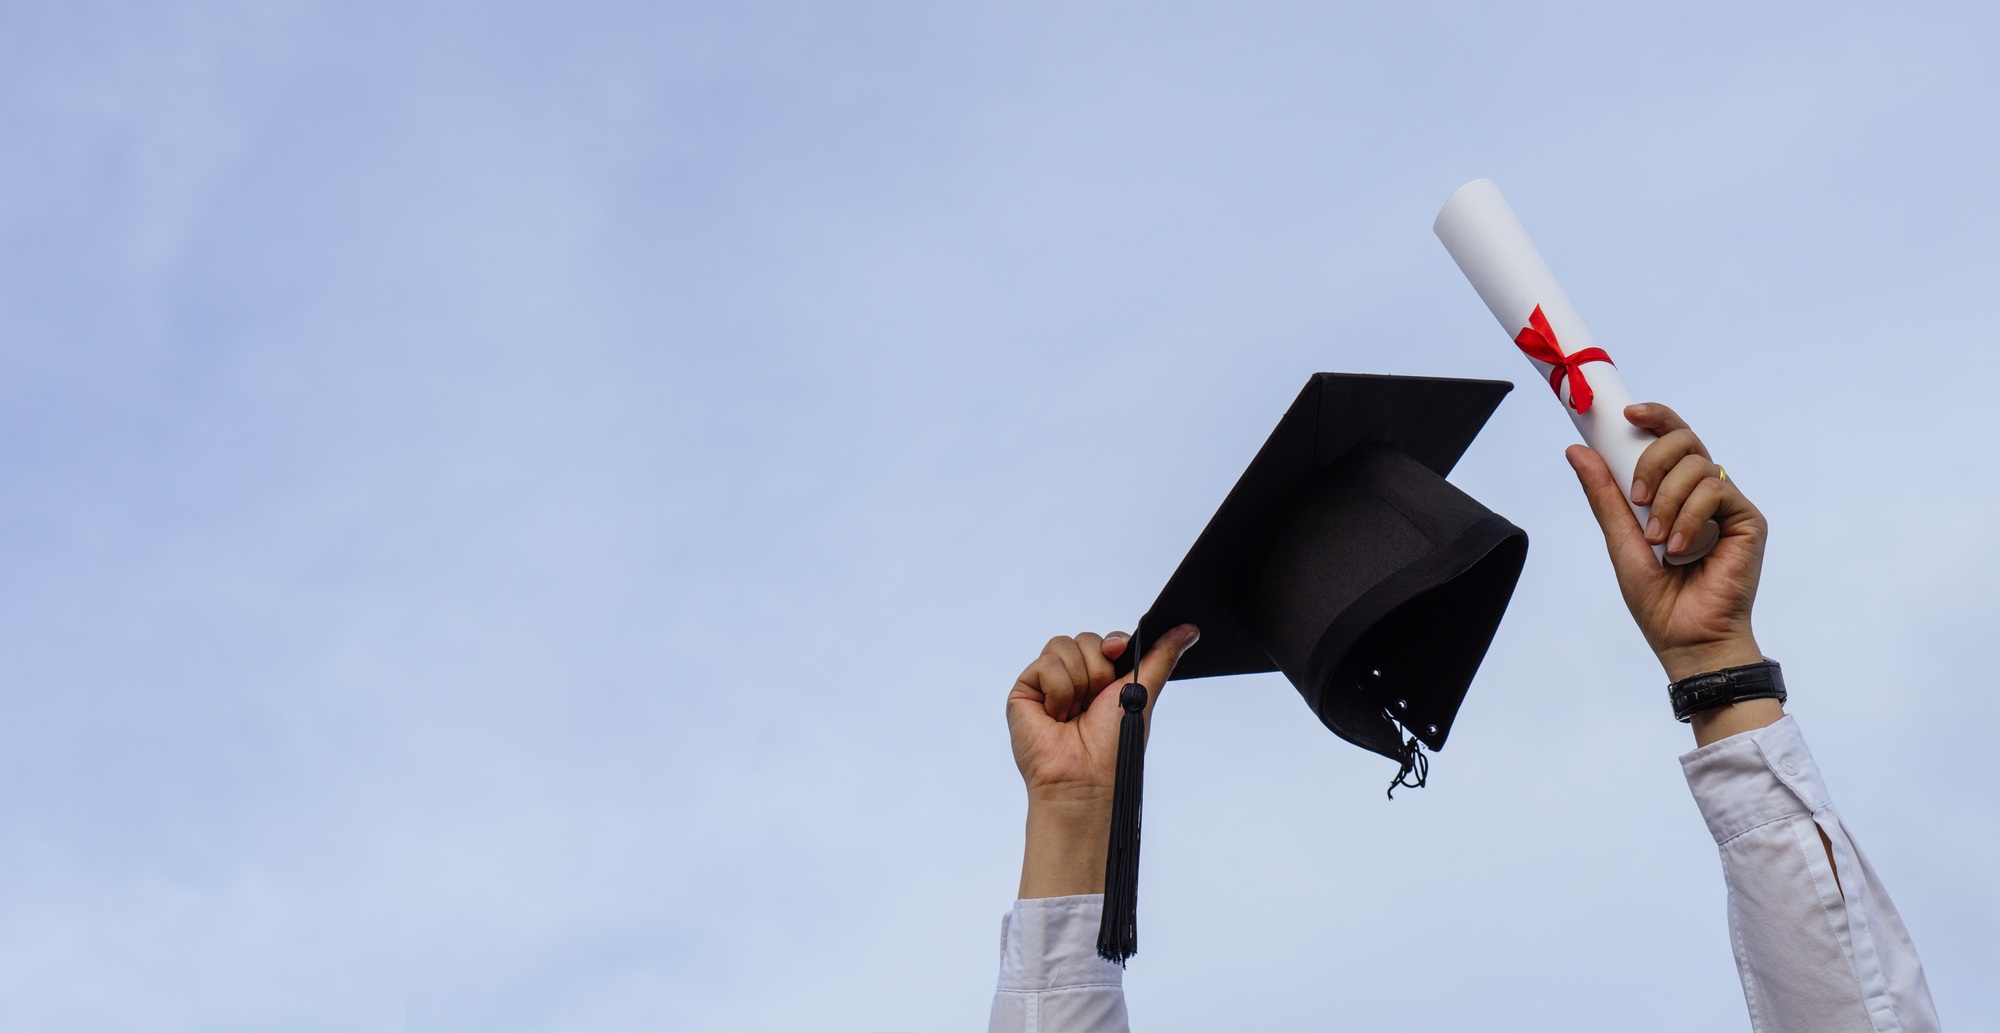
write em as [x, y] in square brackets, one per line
[1029, 685]
[1655, 417]
[1668, 502]
[1702, 504]
[1064, 648]
[1740, 517]
[1158, 663]
[1660, 458]
[1026, 701]
[1115, 643]
[1058, 691]
[1628, 548]
[1153, 671]
[1098, 667]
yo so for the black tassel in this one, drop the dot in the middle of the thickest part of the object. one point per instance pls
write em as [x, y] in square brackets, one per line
[1118, 931]
[1414, 761]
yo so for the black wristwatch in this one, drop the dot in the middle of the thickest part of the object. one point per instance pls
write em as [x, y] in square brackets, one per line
[1691, 696]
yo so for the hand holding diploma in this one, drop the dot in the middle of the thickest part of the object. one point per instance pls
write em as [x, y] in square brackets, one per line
[1696, 618]
[1495, 252]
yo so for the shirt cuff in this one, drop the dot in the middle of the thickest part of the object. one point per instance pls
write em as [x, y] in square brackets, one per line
[1050, 943]
[1754, 778]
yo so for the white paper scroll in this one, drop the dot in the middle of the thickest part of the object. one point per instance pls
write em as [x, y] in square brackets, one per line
[1493, 249]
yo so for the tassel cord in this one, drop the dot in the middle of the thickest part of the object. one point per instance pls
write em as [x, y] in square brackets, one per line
[1415, 762]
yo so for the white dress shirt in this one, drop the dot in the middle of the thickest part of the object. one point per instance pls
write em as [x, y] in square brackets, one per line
[1820, 947]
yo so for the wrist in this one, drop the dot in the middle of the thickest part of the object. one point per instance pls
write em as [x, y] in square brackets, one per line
[1722, 722]
[1070, 802]
[1067, 839]
[1683, 662]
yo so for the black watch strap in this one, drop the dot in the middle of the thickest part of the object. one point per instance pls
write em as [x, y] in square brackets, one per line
[1691, 696]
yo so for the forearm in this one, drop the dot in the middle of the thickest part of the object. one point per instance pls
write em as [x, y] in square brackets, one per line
[1814, 952]
[1066, 843]
[1050, 974]
[1718, 723]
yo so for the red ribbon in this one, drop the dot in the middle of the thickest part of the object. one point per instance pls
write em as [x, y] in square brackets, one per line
[1538, 340]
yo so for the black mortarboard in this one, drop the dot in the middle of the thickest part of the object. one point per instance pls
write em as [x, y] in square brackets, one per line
[1343, 558]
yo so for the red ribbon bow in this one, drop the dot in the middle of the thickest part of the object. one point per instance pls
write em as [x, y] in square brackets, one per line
[1538, 340]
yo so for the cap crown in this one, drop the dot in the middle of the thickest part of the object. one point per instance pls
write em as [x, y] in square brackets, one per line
[1343, 558]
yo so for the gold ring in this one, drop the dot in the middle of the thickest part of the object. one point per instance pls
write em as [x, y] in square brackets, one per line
[1720, 473]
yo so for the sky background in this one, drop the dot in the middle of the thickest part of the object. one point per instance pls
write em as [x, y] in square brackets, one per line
[522, 517]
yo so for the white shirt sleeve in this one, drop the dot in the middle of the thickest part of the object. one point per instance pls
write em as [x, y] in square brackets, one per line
[1819, 947]
[1051, 979]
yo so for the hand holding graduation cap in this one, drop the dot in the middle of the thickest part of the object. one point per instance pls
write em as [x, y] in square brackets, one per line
[1064, 727]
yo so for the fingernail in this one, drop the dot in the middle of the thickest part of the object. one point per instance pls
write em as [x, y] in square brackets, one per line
[1678, 541]
[1116, 636]
[1639, 491]
[1652, 528]
[1189, 635]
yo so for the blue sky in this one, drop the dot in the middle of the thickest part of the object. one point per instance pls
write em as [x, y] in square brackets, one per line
[522, 517]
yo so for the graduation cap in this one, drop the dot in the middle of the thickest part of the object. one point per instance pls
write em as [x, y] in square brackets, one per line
[1343, 558]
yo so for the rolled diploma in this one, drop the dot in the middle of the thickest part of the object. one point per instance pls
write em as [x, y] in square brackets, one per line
[1493, 249]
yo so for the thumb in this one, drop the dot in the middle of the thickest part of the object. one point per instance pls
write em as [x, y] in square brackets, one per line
[1158, 663]
[1622, 536]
